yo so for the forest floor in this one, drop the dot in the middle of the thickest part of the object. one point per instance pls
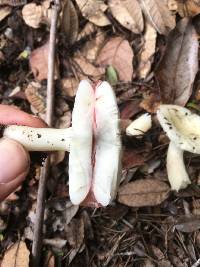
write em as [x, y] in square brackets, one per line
[148, 51]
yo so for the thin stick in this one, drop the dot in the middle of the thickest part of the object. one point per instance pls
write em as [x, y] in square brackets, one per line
[37, 236]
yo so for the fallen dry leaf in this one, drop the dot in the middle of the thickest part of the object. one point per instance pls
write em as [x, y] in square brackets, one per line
[188, 8]
[64, 121]
[188, 224]
[118, 53]
[32, 15]
[4, 12]
[39, 62]
[70, 212]
[93, 45]
[158, 15]
[69, 86]
[94, 11]
[150, 102]
[179, 65]
[148, 50]
[50, 260]
[127, 95]
[75, 236]
[87, 69]
[172, 5]
[34, 97]
[132, 158]
[147, 263]
[12, 3]
[70, 23]
[75, 232]
[196, 206]
[16, 256]
[128, 13]
[89, 233]
[57, 157]
[130, 109]
[87, 30]
[144, 192]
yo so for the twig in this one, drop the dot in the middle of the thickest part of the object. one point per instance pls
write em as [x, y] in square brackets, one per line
[196, 264]
[37, 236]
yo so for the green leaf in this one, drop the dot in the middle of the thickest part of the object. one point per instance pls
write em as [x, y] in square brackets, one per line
[111, 75]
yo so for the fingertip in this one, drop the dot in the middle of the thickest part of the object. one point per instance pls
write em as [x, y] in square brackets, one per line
[7, 188]
[14, 160]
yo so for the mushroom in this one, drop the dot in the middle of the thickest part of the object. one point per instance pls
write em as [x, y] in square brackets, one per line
[139, 126]
[183, 130]
[93, 141]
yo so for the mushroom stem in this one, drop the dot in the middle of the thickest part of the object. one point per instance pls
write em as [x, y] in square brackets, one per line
[176, 171]
[40, 139]
[48, 139]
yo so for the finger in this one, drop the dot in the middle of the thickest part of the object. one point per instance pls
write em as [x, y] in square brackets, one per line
[12, 115]
[14, 166]
[8, 188]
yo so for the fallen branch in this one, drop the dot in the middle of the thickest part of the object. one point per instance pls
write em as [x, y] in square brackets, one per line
[37, 237]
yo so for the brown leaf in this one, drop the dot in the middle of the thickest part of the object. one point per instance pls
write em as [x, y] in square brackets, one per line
[128, 13]
[93, 45]
[130, 109]
[158, 15]
[4, 12]
[88, 69]
[16, 256]
[148, 50]
[32, 15]
[188, 8]
[75, 236]
[39, 62]
[34, 97]
[57, 157]
[172, 5]
[196, 206]
[75, 232]
[127, 95]
[188, 224]
[50, 260]
[87, 31]
[69, 86]
[150, 102]
[13, 3]
[94, 11]
[118, 53]
[178, 67]
[69, 23]
[89, 234]
[144, 192]
[132, 158]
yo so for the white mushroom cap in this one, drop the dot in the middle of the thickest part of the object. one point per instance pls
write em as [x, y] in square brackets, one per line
[107, 168]
[176, 171]
[181, 126]
[139, 126]
[95, 148]
[80, 165]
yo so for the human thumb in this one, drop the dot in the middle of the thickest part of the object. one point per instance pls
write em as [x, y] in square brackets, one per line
[14, 166]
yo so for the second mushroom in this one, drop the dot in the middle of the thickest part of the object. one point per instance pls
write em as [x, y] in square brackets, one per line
[183, 130]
